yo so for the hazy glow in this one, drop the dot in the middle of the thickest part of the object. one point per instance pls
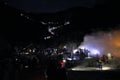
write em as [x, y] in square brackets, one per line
[48, 37]
[95, 52]
[90, 68]
[26, 66]
[106, 68]
[66, 23]
[103, 42]
[65, 47]
[64, 60]
[69, 59]
[81, 47]
[74, 51]
[21, 14]
[26, 53]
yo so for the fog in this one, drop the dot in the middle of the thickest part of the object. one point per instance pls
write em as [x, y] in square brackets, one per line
[104, 42]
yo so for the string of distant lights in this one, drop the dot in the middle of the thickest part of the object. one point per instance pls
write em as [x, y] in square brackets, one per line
[51, 29]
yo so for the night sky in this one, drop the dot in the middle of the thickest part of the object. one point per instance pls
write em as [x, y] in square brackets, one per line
[51, 5]
[28, 28]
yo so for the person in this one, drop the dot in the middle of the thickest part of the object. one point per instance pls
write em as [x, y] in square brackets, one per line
[7, 70]
[61, 73]
[99, 64]
[55, 71]
[51, 70]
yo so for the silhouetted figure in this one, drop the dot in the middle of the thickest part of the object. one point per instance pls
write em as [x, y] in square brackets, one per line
[6, 61]
[99, 64]
[61, 74]
[34, 62]
[51, 70]
[82, 55]
[55, 70]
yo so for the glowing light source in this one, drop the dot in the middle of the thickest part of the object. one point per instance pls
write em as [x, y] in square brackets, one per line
[65, 47]
[64, 60]
[26, 53]
[26, 66]
[74, 51]
[106, 68]
[48, 37]
[21, 14]
[80, 68]
[94, 51]
[43, 23]
[33, 50]
[109, 56]
[16, 59]
[81, 47]
[66, 23]
[69, 59]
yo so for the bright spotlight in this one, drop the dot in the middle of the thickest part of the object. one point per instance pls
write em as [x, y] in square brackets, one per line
[74, 51]
[64, 60]
[95, 52]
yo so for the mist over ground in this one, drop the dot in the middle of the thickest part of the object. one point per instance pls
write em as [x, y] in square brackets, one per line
[104, 42]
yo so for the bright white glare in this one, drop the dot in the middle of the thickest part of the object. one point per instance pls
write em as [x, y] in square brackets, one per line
[65, 47]
[66, 23]
[92, 51]
[95, 52]
[106, 68]
[81, 47]
[109, 56]
[64, 60]
[69, 59]
[74, 58]
[51, 30]
[74, 51]
[48, 37]
[90, 68]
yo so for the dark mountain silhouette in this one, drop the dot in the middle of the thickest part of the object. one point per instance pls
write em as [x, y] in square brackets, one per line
[83, 20]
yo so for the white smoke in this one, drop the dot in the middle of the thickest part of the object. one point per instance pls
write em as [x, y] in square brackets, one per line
[104, 42]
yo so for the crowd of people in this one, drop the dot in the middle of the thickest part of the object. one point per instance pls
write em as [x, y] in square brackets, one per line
[53, 62]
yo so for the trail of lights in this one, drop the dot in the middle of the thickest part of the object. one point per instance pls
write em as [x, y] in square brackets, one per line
[52, 25]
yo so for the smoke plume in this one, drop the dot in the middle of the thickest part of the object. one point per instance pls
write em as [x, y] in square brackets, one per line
[104, 42]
